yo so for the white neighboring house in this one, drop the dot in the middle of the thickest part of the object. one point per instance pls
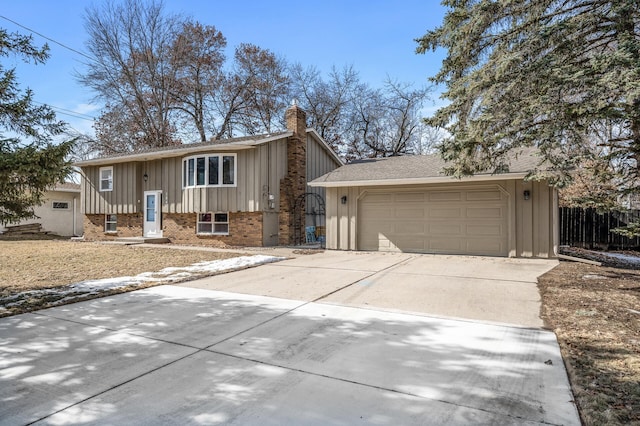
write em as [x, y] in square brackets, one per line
[60, 213]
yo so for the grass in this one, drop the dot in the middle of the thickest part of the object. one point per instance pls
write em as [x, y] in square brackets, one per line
[595, 312]
[27, 265]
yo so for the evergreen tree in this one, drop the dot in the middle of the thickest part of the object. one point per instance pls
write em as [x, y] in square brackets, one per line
[542, 73]
[30, 163]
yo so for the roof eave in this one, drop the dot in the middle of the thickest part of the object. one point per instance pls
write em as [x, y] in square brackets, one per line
[416, 181]
[178, 152]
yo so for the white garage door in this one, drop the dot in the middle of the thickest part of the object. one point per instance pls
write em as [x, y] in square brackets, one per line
[456, 221]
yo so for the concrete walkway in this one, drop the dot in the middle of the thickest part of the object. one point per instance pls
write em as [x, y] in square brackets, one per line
[181, 355]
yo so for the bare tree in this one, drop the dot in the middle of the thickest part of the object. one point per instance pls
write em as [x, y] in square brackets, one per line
[131, 43]
[197, 55]
[254, 93]
[386, 122]
[327, 102]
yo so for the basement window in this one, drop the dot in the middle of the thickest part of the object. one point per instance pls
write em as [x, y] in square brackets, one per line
[213, 224]
[111, 223]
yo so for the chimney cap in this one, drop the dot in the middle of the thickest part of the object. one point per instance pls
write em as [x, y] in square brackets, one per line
[294, 102]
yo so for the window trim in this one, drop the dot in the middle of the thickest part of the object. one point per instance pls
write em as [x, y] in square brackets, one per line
[212, 222]
[107, 222]
[54, 202]
[190, 176]
[100, 180]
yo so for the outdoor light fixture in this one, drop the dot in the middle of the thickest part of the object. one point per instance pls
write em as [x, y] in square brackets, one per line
[527, 194]
[145, 176]
[343, 199]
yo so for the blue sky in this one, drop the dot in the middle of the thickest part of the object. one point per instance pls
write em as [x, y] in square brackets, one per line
[375, 36]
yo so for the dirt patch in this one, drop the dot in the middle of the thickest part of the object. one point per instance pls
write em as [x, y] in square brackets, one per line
[595, 312]
[27, 265]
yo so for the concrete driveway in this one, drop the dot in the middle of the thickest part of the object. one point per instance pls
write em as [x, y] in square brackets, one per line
[186, 355]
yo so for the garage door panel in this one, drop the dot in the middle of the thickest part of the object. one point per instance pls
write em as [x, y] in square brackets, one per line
[486, 247]
[466, 221]
[413, 227]
[404, 213]
[444, 196]
[377, 213]
[446, 213]
[484, 212]
[493, 230]
[410, 197]
[379, 198]
[483, 195]
[445, 245]
[445, 229]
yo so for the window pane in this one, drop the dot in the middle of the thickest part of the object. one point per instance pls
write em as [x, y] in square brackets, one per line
[200, 180]
[191, 172]
[205, 228]
[221, 217]
[151, 208]
[111, 218]
[228, 170]
[221, 228]
[213, 170]
[111, 227]
[204, 217]
[106, 179]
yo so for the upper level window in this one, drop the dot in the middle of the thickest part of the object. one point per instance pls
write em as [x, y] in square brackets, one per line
[106, 178]
[209, 170]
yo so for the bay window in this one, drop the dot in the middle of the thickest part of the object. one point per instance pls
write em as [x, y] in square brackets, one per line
[209, 170]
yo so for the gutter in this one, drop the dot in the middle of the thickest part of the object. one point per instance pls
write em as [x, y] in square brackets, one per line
[415, 181]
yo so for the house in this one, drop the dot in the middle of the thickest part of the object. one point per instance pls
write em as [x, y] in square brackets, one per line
[59, 213]
[407, 204]
[247, 191]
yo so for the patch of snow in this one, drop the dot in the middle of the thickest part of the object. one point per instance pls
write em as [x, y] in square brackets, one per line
[88, 287]
[625, 257]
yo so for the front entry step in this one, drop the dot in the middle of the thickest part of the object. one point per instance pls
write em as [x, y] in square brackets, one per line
[142, 240]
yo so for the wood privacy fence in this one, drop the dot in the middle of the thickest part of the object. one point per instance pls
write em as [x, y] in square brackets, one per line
[587, 228]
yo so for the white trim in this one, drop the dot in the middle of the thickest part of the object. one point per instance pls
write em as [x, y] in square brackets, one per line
[206, 156]
[156, 231]
[100, 170]
[212, 222]
[106, 221]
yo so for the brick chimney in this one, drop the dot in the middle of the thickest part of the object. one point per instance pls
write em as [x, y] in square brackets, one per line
[294, 184]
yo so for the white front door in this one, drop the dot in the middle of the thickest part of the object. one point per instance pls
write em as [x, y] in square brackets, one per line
[152, 214]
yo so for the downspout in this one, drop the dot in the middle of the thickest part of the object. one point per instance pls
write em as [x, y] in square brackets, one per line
[75, 233]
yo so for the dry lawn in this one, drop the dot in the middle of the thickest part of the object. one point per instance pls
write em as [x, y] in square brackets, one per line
[38, 264]
[595, 312]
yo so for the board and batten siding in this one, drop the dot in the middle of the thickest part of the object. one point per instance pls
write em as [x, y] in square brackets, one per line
[531, 224]
[319, 162]
[125, 196]
[259, 171]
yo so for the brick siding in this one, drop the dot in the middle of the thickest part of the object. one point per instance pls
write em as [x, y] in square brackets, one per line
[245, 229]
[294, 184]
[128, 225]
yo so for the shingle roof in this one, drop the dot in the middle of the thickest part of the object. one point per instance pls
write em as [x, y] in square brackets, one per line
[412, 168]
[168, 151]
[67, 187]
